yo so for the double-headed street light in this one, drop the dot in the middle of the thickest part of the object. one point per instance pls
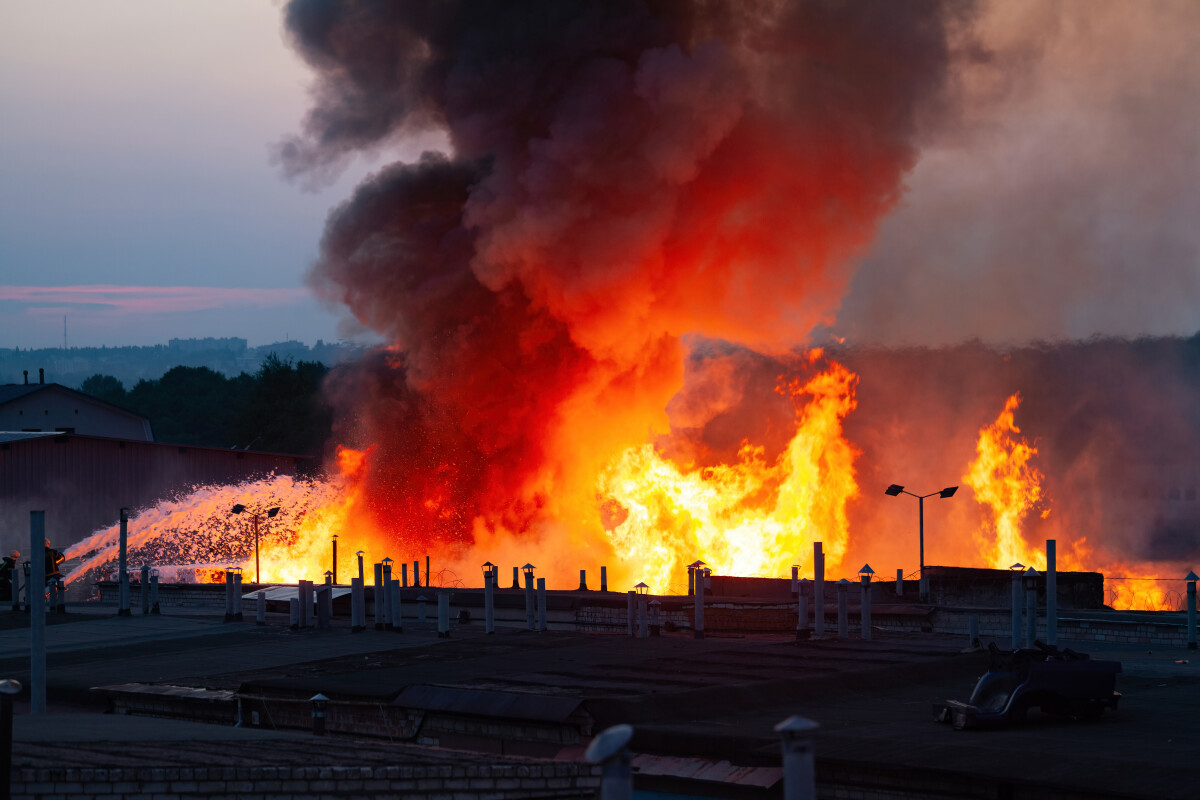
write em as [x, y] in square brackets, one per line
[896, 489]
[256, 515]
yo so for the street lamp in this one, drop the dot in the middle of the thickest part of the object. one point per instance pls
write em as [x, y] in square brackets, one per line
[255, 516]
[896, 489]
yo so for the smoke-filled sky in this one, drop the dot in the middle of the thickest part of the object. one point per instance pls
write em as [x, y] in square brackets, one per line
[1052, 195]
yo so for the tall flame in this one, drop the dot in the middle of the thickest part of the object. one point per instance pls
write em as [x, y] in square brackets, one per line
[750, 517]
[1007, 483]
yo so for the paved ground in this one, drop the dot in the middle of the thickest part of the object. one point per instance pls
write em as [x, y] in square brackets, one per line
[717, 698]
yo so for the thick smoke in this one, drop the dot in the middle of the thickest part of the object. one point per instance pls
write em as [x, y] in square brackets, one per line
[621, 174]
[1063, 205]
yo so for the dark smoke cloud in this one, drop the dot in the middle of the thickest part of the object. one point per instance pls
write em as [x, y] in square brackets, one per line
[621, 174]
[1063, 205]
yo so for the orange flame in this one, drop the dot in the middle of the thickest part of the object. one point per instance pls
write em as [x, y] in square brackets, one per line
[1010, 486]
[746, 518]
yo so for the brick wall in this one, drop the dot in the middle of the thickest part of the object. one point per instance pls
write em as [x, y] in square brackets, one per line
[495, 781]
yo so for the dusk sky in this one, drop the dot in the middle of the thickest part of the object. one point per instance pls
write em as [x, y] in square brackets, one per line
[138, 199]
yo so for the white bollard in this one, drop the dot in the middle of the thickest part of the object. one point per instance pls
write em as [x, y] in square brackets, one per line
[1191, 609]
[802, 610]
[444, 615]
[530, 619]
[37, 611]
[866, 608]
[799, 760]
[818, 591]
[843, 612]
[324, 606]
[396, 608]
[699, 625]
[144, 590]
[387, 594]
[1016, 607]
[643, 617]
[1051, 592]
[377, 596]
[489, 601]
[1030, 607]
[421, 608]
[541, 604]
[630, 614]
[358, 606]
[237, 595]
[611, 751]
[154, 609]
[228, 596]
[122, 567]
[306, 604]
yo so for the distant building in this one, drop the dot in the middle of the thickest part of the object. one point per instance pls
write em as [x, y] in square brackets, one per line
[50, 408]
[208, 344]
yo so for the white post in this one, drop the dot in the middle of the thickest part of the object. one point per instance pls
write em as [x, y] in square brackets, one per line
[444, 614]
[237, 595]
[1191, 609]
[421, 608]
[611, 750]
[294, 613]
[866, 608]
[377, 596]
[489, 601]
[699, 626]
[843, 613]
[818, 591]
[358, 605]
[37, 613]
[630, 604]
[1016, 609]
[541, 604]
[228, 596]
[260, 615]
[123, 568]
[1051, 592]
[799, 760]
[395, 606]
[643, 617]
[530, 610]
[1030, 607]
[154, 609]
[802, 610]
[144, 590]
[387, 593]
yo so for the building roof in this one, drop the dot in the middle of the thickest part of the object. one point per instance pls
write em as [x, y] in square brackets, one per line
[20, 436]
[15, 391]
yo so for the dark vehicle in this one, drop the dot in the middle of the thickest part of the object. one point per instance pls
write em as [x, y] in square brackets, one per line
[1061, 682]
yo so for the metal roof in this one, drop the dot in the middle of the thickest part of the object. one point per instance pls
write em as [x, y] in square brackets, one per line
[20, 436]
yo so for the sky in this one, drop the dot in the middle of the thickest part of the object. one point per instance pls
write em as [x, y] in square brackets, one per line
[138, 200]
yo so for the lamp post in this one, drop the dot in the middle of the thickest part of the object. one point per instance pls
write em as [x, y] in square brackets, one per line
[948, 492]
[864, 575]
[255, 516]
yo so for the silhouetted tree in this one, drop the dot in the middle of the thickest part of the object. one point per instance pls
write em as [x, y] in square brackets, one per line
[106, 388]
[284, 411]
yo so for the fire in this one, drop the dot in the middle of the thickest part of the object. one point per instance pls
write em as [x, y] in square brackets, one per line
[746, 518]
[1010, 486]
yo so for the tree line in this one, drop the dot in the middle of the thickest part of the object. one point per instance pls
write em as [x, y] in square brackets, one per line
[278, 409]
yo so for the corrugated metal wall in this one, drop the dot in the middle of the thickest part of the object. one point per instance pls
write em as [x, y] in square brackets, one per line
[82, 481]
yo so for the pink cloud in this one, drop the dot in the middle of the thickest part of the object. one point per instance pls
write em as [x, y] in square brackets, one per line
[148, 299]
